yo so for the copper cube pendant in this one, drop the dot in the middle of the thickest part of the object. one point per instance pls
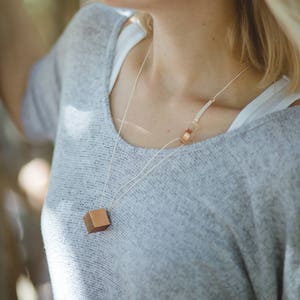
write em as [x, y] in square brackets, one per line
[186, 136]
[96, 220]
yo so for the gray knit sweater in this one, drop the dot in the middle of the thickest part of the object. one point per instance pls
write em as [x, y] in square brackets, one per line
[218, 220]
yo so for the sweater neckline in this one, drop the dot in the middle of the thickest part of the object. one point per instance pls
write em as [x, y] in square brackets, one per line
[210, 142]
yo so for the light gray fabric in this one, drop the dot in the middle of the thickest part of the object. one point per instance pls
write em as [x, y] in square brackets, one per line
[220, 219]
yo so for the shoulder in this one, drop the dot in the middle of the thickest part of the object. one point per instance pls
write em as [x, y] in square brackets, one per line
[93, 19]
[89, 29]
[272, 142]
[284, 137]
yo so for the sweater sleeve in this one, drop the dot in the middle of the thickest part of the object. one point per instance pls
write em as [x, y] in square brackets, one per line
[40, 104]
[41, 100]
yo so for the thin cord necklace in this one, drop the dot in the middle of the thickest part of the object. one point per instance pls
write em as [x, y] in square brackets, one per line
[99, 219]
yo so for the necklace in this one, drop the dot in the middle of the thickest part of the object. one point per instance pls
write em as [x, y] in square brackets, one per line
[99, 219]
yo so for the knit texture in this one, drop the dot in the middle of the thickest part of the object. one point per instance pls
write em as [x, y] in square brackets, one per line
[220, 219]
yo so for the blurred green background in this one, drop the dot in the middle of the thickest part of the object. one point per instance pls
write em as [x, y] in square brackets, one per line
[24, 173]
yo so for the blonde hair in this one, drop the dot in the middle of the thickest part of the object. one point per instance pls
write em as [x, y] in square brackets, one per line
[266, 35]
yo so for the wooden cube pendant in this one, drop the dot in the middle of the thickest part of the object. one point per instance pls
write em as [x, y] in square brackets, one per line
[96, 220]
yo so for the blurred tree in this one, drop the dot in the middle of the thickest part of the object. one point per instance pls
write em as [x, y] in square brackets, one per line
[21, 249]
[51, 16]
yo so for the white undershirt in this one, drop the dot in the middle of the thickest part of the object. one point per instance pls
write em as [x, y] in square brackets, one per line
[270, 100]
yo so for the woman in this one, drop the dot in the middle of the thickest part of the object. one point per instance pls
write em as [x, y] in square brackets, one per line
[216, 218]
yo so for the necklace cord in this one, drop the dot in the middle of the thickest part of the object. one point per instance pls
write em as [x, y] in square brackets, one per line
[177, 148]
[195, 122]
[118, 138]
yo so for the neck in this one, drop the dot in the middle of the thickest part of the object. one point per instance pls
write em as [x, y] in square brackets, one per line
[190, 55]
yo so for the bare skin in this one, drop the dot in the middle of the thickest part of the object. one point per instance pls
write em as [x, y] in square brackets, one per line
[159, 113]
[151, 122]
[172, 87]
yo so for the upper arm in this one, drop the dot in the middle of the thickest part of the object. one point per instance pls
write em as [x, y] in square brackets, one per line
[40, 103]
[50, 75]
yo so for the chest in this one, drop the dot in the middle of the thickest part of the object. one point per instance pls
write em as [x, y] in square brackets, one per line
[159, 229]
[153, 119]
[161, 232]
